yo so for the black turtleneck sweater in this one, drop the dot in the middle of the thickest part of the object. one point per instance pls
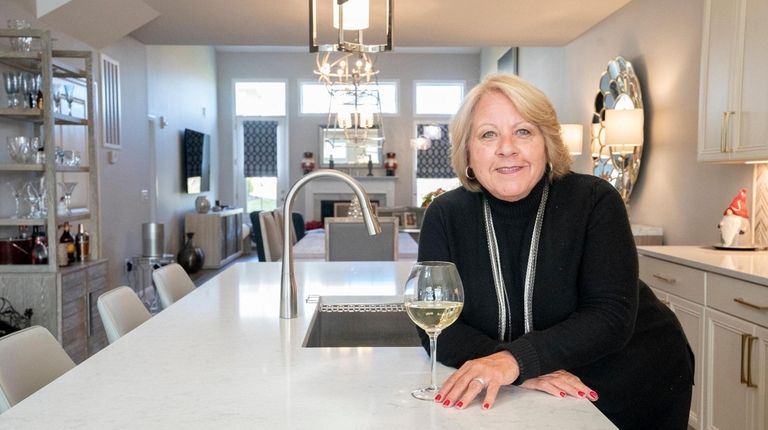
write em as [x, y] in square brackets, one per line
[591, 315]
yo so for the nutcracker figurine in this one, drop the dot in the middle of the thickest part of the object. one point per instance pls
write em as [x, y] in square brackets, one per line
[390, 164]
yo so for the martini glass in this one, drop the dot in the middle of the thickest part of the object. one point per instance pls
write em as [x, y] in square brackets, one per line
[67, 188]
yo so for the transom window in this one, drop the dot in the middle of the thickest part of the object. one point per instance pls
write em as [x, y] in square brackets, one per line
[315, 98]
[437, 98]
[260, 98]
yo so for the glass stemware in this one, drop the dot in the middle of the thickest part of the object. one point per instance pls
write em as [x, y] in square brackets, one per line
[434, 297]
[56, 91]
[11, 85]
[33, 198]
[69, 96]
[16, 193]
[67, 188]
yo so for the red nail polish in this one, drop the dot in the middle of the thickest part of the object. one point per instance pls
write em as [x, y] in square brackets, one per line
[486, 405]
[593, 395]
[438, 397]
[447, 402]
[459, 404]
[562, 394]
[581, 394]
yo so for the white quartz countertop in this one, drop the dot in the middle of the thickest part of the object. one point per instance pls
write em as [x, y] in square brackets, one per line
[751, 266]
[222, 358]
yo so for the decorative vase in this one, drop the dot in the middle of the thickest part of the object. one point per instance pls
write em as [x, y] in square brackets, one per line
[202, 205]
[191, 257]
[390, 164]
[308, 162]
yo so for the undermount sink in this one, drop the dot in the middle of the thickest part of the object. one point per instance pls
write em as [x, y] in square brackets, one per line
[351, 321]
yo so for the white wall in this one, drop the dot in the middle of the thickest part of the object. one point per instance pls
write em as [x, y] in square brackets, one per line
[302, 129]
[662, 40]
[182, 90]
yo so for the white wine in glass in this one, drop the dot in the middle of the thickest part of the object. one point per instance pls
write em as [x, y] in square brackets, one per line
[433, 300]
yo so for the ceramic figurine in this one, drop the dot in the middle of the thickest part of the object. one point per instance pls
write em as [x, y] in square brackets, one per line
[734, 227]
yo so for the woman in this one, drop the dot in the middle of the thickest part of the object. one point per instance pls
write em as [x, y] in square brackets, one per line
[549, 266]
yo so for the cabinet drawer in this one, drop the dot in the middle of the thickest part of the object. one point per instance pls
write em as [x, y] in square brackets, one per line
[722, 292]
[673, 278]
[97, 271]
[72, 286]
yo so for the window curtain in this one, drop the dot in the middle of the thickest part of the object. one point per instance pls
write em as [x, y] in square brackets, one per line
[435, 162]
[260, 148]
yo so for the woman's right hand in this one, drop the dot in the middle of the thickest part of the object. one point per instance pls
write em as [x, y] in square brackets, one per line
[560, 383]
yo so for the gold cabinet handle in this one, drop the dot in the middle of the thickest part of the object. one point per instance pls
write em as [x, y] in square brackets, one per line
[741, 301]
[749, 362]
[724, 135]
[664, 278]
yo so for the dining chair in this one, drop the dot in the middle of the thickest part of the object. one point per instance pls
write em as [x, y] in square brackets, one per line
[121, 311]
[29, 360]
[172, 283]
[270, 236]
[347, 239]
[280, 221]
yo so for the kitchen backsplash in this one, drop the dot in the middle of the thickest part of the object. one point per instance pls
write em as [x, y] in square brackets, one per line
[760, 205]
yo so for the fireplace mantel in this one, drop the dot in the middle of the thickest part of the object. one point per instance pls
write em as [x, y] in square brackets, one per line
[380, 188]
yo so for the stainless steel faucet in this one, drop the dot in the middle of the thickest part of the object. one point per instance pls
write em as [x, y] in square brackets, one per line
[288, 290]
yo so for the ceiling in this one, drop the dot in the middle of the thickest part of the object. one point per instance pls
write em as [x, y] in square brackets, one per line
[284, 23]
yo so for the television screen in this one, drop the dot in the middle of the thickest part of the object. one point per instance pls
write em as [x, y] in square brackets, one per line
[197, 161]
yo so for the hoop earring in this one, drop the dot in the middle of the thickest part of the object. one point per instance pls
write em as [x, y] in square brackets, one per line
[551, 168]
[467, 173]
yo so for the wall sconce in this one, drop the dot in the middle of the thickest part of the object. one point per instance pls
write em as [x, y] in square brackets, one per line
[623, 128]
[573, 137]
[429, 132]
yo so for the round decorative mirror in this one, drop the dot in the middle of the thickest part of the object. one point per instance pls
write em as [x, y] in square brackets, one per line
[617, 127]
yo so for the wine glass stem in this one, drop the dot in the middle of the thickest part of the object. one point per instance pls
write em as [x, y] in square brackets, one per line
[433, 355]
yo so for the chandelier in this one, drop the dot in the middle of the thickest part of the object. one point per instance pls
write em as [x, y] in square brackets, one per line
[346, 68]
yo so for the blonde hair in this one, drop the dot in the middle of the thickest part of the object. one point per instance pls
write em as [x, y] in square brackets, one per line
[532, 104]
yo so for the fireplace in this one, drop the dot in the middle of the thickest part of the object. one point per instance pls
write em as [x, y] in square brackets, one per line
[380, 189]
[326, 207]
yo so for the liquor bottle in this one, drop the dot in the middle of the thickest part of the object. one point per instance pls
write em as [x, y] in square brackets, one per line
[40, 99]
[39, 252]
[82, 243]
[68, 241]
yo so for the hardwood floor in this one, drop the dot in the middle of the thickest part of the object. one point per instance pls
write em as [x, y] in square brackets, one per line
[203, 275]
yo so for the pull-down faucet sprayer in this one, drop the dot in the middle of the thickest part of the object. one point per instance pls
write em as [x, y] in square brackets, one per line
[288, 289]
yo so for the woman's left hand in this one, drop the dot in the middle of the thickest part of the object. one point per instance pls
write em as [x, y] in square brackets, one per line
[560, 383]
[488, 373]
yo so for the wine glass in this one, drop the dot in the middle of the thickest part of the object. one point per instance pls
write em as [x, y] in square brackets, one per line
[69, 96]
[433, 299]
[16, 193]
[56, 91]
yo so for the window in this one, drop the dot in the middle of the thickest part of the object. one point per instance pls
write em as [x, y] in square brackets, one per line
[433, 165]
[260, 119]
[315, 98]
[438, 98]
[260, 98]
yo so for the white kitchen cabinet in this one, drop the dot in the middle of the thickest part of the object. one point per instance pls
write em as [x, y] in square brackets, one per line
[732, 399]
[733, 96]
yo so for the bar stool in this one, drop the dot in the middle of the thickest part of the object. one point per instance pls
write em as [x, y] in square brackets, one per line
[29, 360]
[121, 311]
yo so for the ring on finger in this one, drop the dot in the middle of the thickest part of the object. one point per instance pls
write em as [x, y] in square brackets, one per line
[481, 381]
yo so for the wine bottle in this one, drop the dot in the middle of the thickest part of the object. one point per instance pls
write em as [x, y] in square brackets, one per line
[39, 252]
[68, 241]
[82, 243]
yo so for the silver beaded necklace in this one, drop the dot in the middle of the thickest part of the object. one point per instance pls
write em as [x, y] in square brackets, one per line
[530, 271]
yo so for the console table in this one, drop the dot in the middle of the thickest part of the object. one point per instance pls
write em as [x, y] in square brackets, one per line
[218, 234]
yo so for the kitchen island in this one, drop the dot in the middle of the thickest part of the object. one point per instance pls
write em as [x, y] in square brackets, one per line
[222, 358]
